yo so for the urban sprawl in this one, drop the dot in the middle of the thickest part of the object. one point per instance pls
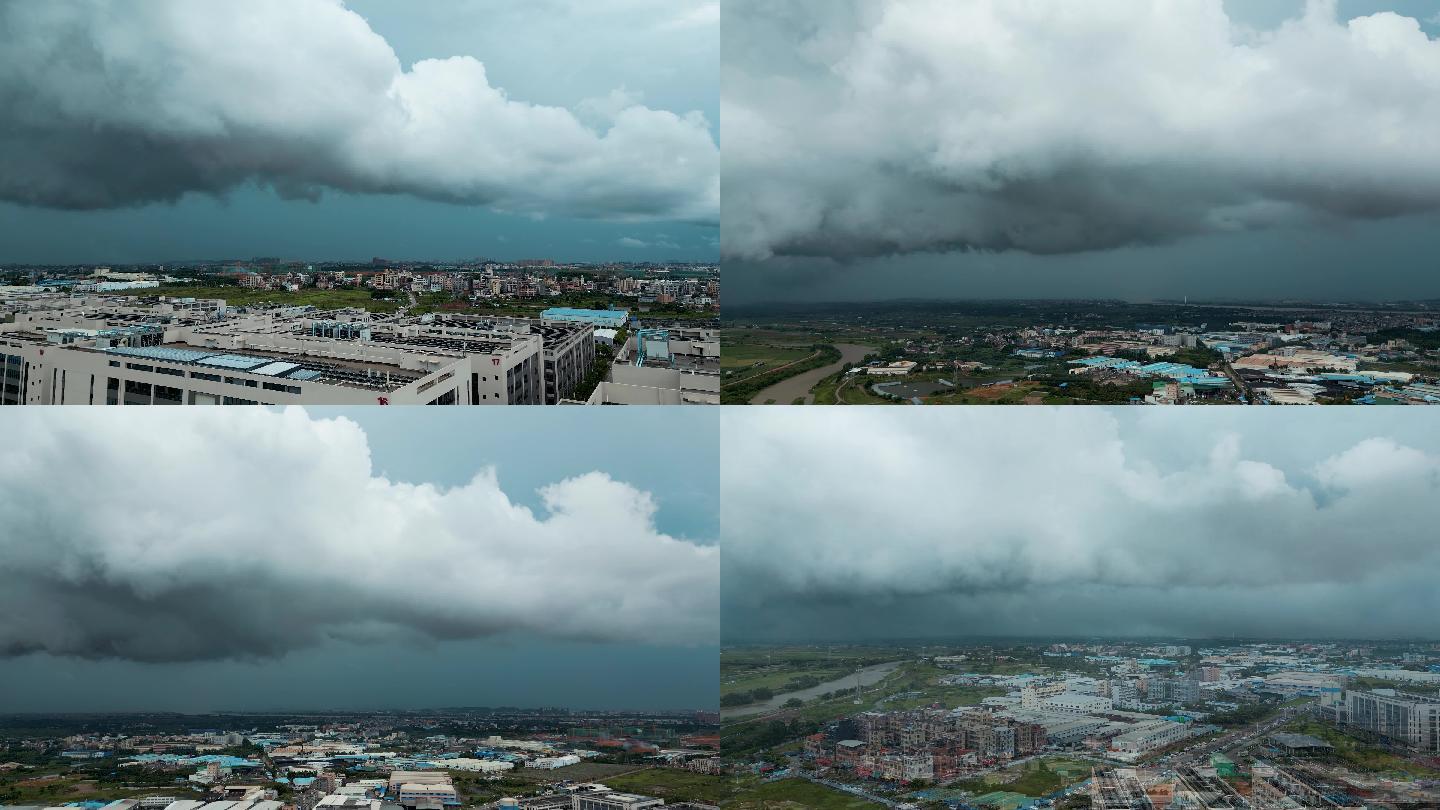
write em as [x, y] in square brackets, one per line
[1091, 725]
[531, 760]
[276, 333]
[1088, 353]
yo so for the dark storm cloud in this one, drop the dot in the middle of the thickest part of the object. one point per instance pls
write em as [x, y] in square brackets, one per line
[859, 129]
[1075, 522]
[109, 106]
[252, 534]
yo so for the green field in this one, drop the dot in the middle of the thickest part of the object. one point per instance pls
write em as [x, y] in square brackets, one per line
[776, 679]
[475, 789]
[792, 794]
[583, 772]
[1001, 800]
[757, 357]
[675, 786]
[745, 669]
[1040, 777]
[242, 296]
[425, 302]
[24, 788]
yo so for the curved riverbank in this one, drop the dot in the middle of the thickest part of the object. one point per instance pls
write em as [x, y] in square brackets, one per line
[788, 390]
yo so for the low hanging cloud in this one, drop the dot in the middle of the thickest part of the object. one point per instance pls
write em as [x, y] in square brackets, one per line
[1074, 522]
[249, 534]
[118, 104]
[854, 128]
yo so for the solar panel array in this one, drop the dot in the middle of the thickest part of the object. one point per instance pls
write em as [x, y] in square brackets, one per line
[238, 362]
[160, 353]
[265, 366]
[275, 369]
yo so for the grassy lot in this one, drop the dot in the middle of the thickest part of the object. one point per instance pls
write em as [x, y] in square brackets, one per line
[776, 679]
[745, 359]
[951, 697]
[924, 680]
[675, 786]
[744, 670]
[583, 772]
[749, 363]
[1360, 755]
[1041, 777]
[734, 659]
[997, 394]
[27, 789]
[425, 302]
[786, 794]
[475, 789]
[242, 296]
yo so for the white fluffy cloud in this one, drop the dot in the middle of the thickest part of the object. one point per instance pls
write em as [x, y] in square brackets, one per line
[857, 128]
[251, 533]
[1026, 516]
[111, 104]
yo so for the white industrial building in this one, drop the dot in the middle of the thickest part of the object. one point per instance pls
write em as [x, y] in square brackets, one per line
[1075, 703]
[112, 355]
[1146, 737]
[614, 801]
[551, 763]
[1410, 720]
[479, 765]
[111, 351]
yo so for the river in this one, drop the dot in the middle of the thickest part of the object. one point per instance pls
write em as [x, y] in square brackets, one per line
[788, 390]
[868, 676]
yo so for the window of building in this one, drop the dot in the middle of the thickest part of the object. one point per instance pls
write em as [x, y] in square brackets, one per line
[137, 393]
[165, 395]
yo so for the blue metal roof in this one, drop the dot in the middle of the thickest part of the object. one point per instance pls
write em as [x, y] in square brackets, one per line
[614, 317]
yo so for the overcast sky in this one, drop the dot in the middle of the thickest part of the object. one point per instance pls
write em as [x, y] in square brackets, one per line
[1118, 148]
[249, 558]
[175, 130]
[876, 523]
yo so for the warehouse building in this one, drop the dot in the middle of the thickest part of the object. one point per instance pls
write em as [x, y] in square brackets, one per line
[1147, 737]
[1397, 717]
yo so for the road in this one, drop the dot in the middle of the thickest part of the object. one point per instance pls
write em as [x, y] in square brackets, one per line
[1239, 383]
[788, 390]
[1199, 753]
